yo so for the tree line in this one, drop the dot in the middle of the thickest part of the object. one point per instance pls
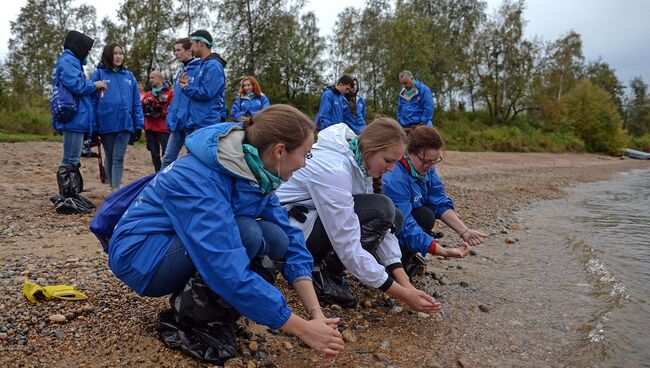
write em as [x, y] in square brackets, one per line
[474, 62]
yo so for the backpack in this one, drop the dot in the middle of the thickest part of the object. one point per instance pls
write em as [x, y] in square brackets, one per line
[63, 104]
[114, 207]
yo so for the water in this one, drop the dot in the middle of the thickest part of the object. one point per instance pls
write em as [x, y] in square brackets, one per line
[603, 229]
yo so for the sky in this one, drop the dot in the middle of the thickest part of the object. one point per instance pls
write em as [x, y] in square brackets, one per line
[616, 31]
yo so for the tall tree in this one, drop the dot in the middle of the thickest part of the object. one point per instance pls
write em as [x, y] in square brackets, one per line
[602, 75]
[37, 40]
[638, 108]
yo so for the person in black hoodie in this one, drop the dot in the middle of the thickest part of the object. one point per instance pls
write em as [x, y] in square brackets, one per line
[206, 90]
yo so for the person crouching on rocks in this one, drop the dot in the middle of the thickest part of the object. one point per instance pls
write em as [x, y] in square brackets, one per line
[214, 212]
[416, 189]
[346, 225]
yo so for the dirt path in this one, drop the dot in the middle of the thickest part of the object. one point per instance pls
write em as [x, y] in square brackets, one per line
[115, 327]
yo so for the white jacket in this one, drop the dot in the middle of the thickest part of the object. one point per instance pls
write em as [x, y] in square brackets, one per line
[326, 186]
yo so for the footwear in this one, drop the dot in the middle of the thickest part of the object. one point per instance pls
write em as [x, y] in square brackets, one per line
[414, 266]
[331, 285]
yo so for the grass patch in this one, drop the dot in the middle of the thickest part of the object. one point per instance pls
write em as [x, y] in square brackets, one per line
[28, 137]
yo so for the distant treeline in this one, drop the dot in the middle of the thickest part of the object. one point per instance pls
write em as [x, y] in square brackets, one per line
[493, 88]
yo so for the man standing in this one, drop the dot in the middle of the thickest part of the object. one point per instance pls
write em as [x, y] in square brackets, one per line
[415, 102]
[178, 109]
[154, 105]
[333, 103]
[206, 90]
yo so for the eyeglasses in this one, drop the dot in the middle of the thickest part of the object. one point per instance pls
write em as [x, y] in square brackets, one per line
[429, 162]
[309, 155]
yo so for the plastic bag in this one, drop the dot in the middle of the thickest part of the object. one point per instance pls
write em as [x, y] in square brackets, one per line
[69, 180]
[73, 204]
[330, 283]
[200, 323]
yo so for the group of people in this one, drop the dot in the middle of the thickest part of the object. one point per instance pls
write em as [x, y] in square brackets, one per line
[257, 197]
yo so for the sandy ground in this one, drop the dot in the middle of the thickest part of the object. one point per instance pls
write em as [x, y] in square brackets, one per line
[115, 327]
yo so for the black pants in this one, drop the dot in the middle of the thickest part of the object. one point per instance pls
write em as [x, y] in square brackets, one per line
[156, 141]
[367, 207]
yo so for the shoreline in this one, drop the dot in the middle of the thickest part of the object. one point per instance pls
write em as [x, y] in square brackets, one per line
[118, 327]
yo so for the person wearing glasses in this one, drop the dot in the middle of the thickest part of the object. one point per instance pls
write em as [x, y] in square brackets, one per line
[416, 189]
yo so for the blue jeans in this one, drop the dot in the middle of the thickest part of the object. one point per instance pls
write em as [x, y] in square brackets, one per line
[72, 144]
[174, 146]
[258, 237]
[114, 149]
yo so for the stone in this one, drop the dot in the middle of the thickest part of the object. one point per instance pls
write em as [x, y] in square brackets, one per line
[287, 345]
[484, 308]
[516, 226]
[253, 346]
[384, 344]
[336, 307]
[473, 253]
[58, 318]
[423, 315]
[463, 284]
[510, 240]
[430, 363]
[396, 310]
[251, 364]
[462, 363]
[367, 303]
[3, 336]
[383, 358]
[59, 334]
[349, 336]
[234, 363]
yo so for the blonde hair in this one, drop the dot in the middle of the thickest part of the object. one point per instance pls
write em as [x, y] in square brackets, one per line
[381, 134]
[278, 124]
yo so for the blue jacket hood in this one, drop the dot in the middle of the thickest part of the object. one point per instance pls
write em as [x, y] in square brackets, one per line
[219, 147]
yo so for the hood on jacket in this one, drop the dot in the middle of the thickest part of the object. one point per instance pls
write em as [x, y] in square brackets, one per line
[336, 137]
[333, 88]
[120, 70]
[78, 43]
[219, 147]
[217, 57]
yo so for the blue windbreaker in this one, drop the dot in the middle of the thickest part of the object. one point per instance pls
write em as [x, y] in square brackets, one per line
[120, 109]
[197, 198]
[177, 111]
[332, 106]
[409, 193]
[244, 105]
[69, 71]
[417, 109]
[359, 122]
[206, 91]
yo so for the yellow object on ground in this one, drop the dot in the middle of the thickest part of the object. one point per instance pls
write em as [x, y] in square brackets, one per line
[36, 293]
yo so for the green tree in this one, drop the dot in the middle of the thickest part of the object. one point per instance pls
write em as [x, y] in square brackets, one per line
[638, 108]
[595, 118]
[602, 75]
[37, 41]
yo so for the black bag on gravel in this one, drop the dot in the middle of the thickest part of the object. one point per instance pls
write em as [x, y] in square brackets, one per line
[200, 323]
[73, 204]
[69, 179]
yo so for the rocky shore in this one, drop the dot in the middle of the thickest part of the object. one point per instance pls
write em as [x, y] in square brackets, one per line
[115, 327]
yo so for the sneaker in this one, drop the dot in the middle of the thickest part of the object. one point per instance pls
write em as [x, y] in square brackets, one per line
[414, 266]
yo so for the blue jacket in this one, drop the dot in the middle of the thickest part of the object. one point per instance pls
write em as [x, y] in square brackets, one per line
[69, 71]
[356, 123]
[120, 109]
[197, 198]
[331, 110]
[417, 109]
[244, 105]
[206, 91]
[177, 111]
[409, 193]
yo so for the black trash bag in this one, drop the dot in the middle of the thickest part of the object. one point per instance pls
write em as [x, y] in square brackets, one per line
[73, 204]
[266, 268]
[69, 179]
[200, 323]
[330, 282]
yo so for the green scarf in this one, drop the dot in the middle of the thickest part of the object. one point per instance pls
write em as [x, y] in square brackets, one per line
[265, 179]
[358, 156]
[409, 91]
[250, 95]
[414, 172]
[156, 91]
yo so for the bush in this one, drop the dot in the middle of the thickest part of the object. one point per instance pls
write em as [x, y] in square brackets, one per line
[33, 121]
[641, 143]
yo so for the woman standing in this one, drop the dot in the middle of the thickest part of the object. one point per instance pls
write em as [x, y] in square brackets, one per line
[250, 101]
[346, 225]
[118, 110]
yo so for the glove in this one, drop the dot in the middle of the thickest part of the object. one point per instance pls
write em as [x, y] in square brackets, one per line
[36, 293]
[298, 213]
[137, 134]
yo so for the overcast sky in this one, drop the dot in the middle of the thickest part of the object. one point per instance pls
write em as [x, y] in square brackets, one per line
[616, 31]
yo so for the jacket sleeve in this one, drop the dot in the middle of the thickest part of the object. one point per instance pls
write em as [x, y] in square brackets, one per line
[427, 105]
[265, 102]
[94, 100]
[331, 192]
[212, 79]
[137, 114]
[170, 118]
[234, 110]
[325, 110]
[436, 194]
[299, 263]
[77, 84]
[203, 219]
[412, 235]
